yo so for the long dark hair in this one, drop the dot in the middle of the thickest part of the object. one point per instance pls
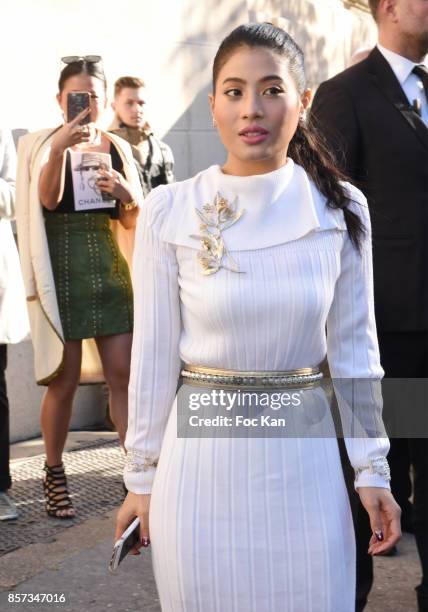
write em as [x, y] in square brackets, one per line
[307, 148]
[93, 69]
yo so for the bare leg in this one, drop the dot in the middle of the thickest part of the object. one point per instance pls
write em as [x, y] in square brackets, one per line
[115, 353]
[57, 405]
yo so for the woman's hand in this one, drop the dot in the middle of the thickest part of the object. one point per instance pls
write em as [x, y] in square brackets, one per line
[71, 134]
[134, 505]
[384, 513]
[50, 183]
[114, 183]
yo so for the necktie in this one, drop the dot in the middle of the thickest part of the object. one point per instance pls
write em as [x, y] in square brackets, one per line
[421, 72]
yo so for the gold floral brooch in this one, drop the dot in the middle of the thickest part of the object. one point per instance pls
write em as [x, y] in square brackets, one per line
[216, 218]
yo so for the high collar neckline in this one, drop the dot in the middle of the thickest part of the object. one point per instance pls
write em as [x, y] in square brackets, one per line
[275, 208]
[285, 168]
[267, 187]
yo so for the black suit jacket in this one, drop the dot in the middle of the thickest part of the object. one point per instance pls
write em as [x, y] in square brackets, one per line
[382, 144]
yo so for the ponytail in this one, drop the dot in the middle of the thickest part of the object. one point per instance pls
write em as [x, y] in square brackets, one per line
[307, 149]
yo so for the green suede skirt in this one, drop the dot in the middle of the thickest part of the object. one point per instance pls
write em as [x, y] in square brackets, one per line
[92, 280]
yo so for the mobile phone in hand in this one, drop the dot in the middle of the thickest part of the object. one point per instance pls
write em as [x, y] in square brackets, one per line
[77, 101]
[124, 544]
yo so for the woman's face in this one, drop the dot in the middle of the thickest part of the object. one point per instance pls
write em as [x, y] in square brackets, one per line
[256, 107]
[84, 82]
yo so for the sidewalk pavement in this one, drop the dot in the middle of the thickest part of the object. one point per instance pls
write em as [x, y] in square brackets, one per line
[72, 561]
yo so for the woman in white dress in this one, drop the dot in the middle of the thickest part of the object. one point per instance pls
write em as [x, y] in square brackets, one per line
[239, 271]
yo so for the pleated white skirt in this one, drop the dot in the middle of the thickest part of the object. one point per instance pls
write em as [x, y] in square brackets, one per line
[251, 525]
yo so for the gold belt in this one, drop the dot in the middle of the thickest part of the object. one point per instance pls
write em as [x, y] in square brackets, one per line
[204, 375]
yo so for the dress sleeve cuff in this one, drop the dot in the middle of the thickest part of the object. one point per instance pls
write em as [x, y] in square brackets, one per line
[139, 482]
[366, 479]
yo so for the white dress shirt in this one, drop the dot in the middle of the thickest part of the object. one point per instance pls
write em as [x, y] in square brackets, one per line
[411, 83]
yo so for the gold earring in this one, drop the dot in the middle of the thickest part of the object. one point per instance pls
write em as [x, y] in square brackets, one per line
[214, 123]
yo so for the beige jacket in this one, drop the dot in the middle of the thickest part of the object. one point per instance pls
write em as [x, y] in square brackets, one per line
[46, 329]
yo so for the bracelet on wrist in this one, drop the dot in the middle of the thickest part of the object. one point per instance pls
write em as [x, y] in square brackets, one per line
[129, 205]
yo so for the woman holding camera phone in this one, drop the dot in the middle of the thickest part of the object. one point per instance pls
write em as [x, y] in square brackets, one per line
[238, 271]
[77, 279]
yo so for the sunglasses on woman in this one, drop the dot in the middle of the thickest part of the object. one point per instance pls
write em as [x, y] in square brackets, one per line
[89, 59]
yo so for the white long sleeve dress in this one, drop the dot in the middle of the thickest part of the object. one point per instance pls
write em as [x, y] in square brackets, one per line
[249, 524]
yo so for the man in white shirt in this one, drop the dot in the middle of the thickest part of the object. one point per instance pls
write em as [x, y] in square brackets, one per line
[411, 82]
[374, 115]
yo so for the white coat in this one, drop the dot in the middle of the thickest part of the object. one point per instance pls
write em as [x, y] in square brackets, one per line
[46, 329]
[13, 313]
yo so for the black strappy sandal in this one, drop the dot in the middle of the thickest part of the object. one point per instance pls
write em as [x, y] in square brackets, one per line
[57, 499]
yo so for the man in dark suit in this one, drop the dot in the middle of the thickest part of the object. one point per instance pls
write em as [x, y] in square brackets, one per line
[374, 115]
